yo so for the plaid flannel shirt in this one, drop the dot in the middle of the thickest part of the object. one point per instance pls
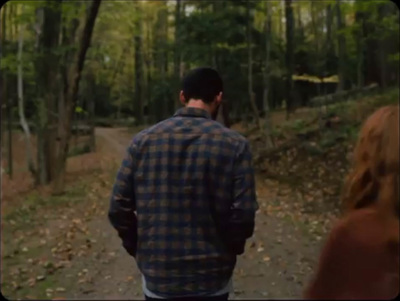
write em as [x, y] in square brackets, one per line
[191, 183]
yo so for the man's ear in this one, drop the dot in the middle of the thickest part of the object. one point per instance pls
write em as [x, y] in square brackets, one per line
[218, 98]
[182, 98]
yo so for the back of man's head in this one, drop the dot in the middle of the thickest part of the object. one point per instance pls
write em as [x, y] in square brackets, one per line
[202, 83]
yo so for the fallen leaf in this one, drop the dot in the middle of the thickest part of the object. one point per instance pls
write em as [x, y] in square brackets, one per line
[76, 221]
[48, 265]
[16, 286]
[31, 282]
[266, 258]
[40, 277]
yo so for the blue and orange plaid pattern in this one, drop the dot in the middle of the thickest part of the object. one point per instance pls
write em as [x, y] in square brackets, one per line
[191, 182]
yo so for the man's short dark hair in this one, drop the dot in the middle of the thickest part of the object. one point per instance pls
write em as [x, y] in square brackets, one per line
[202, 83]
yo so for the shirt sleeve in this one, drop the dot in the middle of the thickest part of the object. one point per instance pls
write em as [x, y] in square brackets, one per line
[244, 205]
[122, 204]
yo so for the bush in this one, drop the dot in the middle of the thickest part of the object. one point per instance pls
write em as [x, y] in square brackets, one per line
[108, 123]
[79, 150]
[127, 122]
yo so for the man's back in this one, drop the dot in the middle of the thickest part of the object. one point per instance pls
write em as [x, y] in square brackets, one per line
[190, 181]
[183, 186]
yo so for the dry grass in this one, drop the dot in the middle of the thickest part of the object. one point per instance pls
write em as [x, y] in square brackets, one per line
[22, 182]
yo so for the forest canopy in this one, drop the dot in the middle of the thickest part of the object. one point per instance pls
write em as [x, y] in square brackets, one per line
[67, 60]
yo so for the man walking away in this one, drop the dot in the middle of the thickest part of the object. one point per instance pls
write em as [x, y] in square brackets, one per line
[184, 199]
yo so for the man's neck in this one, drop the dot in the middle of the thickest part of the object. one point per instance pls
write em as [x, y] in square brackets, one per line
[198, 104]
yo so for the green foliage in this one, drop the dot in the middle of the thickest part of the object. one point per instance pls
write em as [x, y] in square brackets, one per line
[330, 138]
[9, 63]
[212, 34]
[24, 215]
[103, 122]
[277, 133]
[395, 58]
[297, 125]
[80, 110]
[313, 149]
[79, 150]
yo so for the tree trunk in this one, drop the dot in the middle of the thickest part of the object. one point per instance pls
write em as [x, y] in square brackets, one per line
[118, 67]
[51, 41]
[329, 20]
[299, 21]
[3, 84]
[47, 70]
[41, 110]
[177, 52]
[5, 94]
[222, 114]
[342, 48]
[138, 67]
[384, 10]
[250, 66]
[360, 45]
[91, 112]
[74, 76]
[148, 61]
[15, 23]
[213, 50]
[3, 14]
[9, 130]
[162, 58]
[313, 13]
[24, 124]
[182, 64]
[330, 50]
[170, 104]
[267, 117]
[280, 16]
[289, 57]
[11, 16]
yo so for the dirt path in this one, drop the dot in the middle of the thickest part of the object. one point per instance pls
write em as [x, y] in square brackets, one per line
[117, 139]
[277, 262]
[115, 274]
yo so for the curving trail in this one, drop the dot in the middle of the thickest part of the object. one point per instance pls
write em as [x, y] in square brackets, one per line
[77, 235]
[277, 263]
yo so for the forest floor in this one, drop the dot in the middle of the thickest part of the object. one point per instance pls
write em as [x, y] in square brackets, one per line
[64, 247]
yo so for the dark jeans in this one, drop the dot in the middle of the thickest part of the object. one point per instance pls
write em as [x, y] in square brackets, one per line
[213, 298]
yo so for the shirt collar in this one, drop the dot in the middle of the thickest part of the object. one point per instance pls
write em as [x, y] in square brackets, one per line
[192, 112]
